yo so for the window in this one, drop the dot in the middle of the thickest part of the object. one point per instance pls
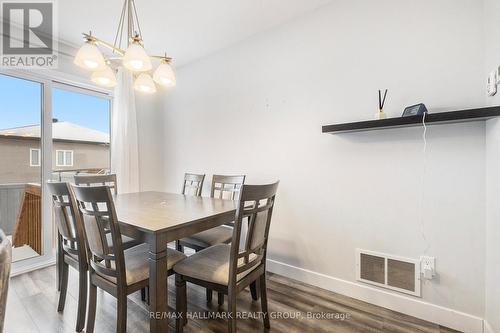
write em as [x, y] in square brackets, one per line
[34, 157]
[81, 123]
[64, 158]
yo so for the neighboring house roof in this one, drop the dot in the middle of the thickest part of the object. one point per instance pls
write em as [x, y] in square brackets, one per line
[62, 130]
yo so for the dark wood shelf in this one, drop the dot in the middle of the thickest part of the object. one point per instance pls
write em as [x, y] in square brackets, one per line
[431, 118]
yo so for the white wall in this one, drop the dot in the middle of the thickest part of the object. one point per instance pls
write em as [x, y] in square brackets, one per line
[257, 108]
[492, 59]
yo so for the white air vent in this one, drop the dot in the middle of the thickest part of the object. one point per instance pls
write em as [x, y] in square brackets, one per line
[388, 271]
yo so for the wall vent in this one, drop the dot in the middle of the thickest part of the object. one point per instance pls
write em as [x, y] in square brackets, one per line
[388, 271]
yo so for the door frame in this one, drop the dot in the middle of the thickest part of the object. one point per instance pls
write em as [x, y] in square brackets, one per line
[48, 80]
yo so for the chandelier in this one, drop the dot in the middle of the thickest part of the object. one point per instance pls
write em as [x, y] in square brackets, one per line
[133, 58]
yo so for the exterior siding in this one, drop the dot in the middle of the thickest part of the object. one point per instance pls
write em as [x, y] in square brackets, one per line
[15, 153]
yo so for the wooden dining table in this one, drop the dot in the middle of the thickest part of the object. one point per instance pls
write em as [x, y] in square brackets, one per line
[157, 218]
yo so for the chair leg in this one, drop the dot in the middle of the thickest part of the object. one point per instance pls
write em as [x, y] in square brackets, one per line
[178, 246]
[209, 295]
[147, 295]
[92, 303]
[263, 301]
[82, 300]
[59, 262]
[231, 309]
[220, 299]
[254, 290]
[181, 304]
[121, 313]
[64, 286]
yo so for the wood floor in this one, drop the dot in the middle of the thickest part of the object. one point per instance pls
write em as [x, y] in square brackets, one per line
[32, 301]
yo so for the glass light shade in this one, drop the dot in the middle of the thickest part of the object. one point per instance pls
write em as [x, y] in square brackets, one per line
[136, 59]
[90, 58]
[105, 78]
[164, 75]
[144, 83]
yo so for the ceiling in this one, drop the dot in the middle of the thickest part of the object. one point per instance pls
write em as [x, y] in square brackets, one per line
[185, 29]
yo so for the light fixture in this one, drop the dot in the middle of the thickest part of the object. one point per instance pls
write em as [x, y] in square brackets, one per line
[133, 57]
[164, 75]
[136, 59]
[144, 83]
[105, 78]
[89, 57]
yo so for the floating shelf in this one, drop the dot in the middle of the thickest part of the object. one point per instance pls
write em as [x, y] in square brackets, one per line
[459, 116]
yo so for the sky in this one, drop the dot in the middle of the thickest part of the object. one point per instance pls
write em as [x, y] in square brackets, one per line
[21, 106]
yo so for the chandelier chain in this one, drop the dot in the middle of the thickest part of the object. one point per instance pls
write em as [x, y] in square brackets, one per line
[136, 18]
[119, 30]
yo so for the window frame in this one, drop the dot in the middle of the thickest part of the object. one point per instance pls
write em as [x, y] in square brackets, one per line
[64, 151]
[39, 151]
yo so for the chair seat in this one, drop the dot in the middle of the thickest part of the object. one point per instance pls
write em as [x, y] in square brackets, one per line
[137, 263]
[127, 242]
[218, 235]
[210, 264]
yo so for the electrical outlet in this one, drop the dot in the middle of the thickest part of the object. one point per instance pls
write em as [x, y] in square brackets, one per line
[428, 267]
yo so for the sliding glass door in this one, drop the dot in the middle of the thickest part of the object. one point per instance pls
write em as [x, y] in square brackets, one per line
[80, 133]
[48, 131]
[21, 168]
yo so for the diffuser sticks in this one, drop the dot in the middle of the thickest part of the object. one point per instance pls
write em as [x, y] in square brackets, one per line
[381, 101]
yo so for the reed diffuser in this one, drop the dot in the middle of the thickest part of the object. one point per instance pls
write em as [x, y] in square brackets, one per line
[381, 101]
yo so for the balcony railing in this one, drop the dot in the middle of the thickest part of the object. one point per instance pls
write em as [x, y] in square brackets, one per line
[68, 174]
[20, 208]
[28, 227]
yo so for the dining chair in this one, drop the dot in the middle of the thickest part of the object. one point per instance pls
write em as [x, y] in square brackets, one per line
[223, 187]
[5, 263]
[117, 271]
[110, 181]
[89, 180]
[71, 249]
[193, 184]
[224, 267]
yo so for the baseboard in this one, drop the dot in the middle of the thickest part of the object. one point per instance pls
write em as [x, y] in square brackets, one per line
[413, 307]
[487, 328]
[32, 267]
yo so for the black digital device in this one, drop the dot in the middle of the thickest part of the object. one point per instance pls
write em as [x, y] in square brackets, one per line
[415, 110]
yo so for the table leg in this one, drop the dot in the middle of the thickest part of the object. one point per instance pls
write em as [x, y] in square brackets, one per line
[158, 290]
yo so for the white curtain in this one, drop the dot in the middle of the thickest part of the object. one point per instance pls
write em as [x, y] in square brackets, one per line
[124, 144]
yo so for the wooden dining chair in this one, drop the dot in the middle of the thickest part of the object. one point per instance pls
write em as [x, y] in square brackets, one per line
[224, 267]
[71, 249]
[110, 181]
[223, 187]
[193, 184]
[115, 270]
[5, 263]
[89, 180]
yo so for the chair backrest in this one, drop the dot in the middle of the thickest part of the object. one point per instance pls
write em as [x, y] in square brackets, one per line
[91, 180]
[256, 202]
[68, 223]
[193, 184]
[5, 263]
[226, 187]
[98, 213]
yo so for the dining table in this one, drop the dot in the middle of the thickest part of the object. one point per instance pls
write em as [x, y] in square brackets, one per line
[157, 218]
